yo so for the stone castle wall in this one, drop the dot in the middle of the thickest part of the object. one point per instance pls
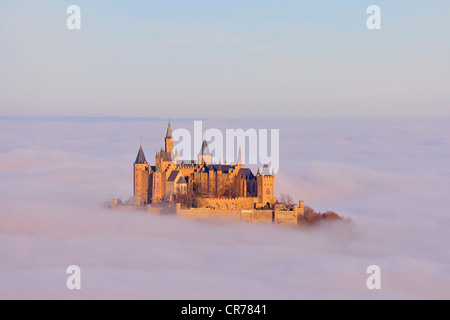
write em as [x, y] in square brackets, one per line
[247, 215]
[254, 216]
[239, 203]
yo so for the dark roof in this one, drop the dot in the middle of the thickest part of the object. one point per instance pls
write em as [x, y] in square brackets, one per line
[181, 180]
[246, 172]
[187, 164]
[214, 167]
[169, 132]
[266, 171]
[205, 149]
[166, 156]
[173, 176]
[140, 159]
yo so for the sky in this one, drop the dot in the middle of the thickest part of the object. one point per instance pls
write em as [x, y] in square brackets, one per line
[225, 59]
[364, 131]
[390, 177]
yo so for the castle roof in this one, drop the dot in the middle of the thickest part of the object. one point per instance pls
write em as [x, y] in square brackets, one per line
[190, 163]
[181, 180]
[166, 156]
[173, 176]
[246, 172]
[215, 167]
[169, 132]
[266, 171]
[140, 159]
[240, 156]
[205, 149]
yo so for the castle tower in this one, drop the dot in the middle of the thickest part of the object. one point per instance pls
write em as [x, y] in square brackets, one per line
[265, 186]
[204, 154]
[239, 162]
[141, 179]
[156, 183]
[169, 139]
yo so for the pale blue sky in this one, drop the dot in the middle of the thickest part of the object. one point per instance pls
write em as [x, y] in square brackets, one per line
[225, 59]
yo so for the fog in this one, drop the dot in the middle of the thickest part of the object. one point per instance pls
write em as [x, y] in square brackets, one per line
[390, 177]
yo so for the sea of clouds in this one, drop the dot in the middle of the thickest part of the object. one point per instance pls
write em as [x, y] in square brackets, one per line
[391, 177]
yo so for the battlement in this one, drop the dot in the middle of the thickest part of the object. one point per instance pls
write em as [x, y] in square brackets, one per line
[229, 198]
[254, 216]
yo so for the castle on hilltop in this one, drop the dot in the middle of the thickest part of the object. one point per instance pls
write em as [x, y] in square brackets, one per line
[202, 185]
[170, 177]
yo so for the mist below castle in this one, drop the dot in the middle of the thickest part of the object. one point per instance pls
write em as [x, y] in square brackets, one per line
[390, 177]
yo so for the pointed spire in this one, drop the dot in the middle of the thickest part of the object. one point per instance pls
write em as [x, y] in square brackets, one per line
[258, 171]
[205, 149]
[266, 171]
[169, 132]
[240, 156]
[140, 159]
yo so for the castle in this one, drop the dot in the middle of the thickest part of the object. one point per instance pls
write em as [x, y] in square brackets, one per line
[225, 188]
[170, 177]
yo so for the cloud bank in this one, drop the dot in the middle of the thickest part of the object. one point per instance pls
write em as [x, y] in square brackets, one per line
[390, 177]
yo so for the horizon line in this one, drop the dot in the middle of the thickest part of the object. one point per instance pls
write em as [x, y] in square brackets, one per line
[135, 118]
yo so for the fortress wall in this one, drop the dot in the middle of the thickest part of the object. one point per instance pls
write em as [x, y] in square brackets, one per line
[246, 216]
[255, 216]
[186, 171]
[154, 210]
[205, 214]
[128, 207]
[285, 217]
[301, 208]
[230, 204]
[262, 216]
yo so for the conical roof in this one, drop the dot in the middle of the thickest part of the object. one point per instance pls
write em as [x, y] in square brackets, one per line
[169, 132]
[240, 156]
[140, 159]
[205, 149]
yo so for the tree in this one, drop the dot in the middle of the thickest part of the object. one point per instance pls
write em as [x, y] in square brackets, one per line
[190, 199]
[286, 200]
[185, 199]
[227, 188]
[223, 188]
[311, 217]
